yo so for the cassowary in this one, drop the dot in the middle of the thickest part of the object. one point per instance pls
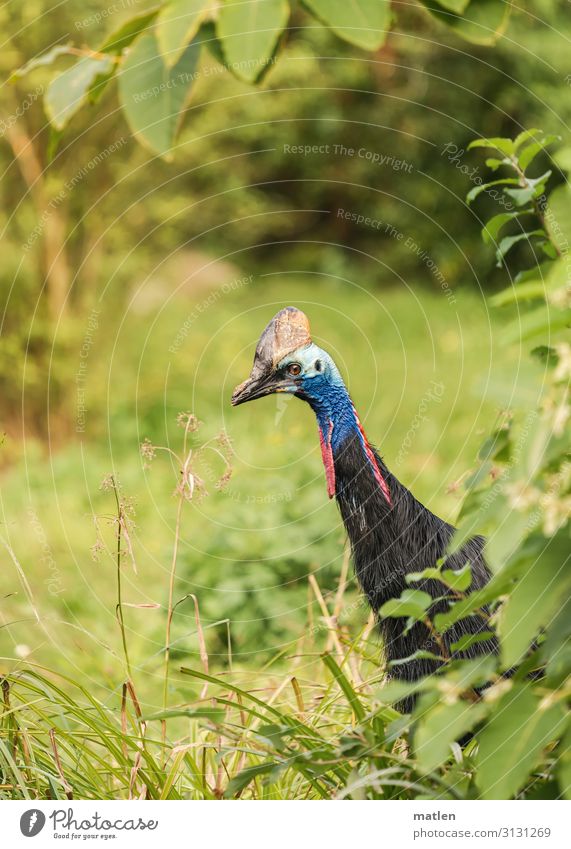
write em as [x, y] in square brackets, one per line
[391, 533]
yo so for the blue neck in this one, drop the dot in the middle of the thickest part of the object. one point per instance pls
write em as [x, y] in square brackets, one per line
[338, 422]
[322, 387]
[333, 407]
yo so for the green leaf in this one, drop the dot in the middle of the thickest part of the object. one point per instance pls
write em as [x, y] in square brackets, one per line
[508, 242]
[558, 216]
[240, 781]
[545, 355]
[535, 599]
[44, 59]
[420, 654]
[549, 249]
[116, 42]
[524, 136]
[499, 584]
[348, 690]
[563, 158]
[503, 542]
[482, 22]
[125, 34]
[477, 190]
[534, 189]
[505, 146]
[518, 294]
[529, 153]
[412, 603]
[463, 675]
[215, 714]
[440, 724]
[249, 31]
[537, 272]
[396, 691]
[153, 96]
[556, 648]
[466, 641]
[458, 579]
[275, 735]
[493, 164]
[511, 743]
[364, 23]
[496, 445]
[523, 195]
[177, 24]
[429, 572]
[69, 91]
[457, 6]
[495, 224]
[541, 322]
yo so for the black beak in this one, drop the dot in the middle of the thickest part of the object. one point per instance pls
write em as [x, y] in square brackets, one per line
[255, 387]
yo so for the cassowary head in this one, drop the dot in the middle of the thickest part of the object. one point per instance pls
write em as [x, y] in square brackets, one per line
[286, 360]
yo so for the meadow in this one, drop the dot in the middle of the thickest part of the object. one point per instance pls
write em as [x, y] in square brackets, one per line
[416, 367]
[263, 581]
[179, 617]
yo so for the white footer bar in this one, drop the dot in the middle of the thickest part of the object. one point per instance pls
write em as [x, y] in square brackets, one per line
[287, 825]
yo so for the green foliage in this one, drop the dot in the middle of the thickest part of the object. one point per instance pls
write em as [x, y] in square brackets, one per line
[153, 95]
[69, 91]
[364, 23]
[520, 727]
[333, 731]
[151, 45]
[528, 193]
[478, 21]
[412, 603]
[535, 599]
[520, 496]
[177, 24]
[249, 36]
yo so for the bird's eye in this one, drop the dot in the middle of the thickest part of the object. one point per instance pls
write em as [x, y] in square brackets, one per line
[294, 369]
[318, 365]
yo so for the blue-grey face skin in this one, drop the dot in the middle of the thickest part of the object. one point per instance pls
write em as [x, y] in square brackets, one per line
[321, 385]
[318, 372]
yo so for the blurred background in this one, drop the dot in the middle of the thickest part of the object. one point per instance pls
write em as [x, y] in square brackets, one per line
[133, 288]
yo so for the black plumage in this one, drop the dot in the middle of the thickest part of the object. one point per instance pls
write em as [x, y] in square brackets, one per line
[388, 542]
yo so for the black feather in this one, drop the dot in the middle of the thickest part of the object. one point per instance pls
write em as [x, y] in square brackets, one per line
[391, 540]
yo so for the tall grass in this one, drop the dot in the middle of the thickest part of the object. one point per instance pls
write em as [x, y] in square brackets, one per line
[317, 732]
[281, 739]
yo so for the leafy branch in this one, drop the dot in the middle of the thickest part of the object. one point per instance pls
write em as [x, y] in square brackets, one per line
[525, 193]
[158, 55]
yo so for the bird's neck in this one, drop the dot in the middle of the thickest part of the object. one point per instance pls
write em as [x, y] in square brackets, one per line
[340, 425]
[391, 533]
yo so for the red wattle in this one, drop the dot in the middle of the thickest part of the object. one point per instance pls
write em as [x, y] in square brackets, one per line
[376, 471]
[327, 455]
